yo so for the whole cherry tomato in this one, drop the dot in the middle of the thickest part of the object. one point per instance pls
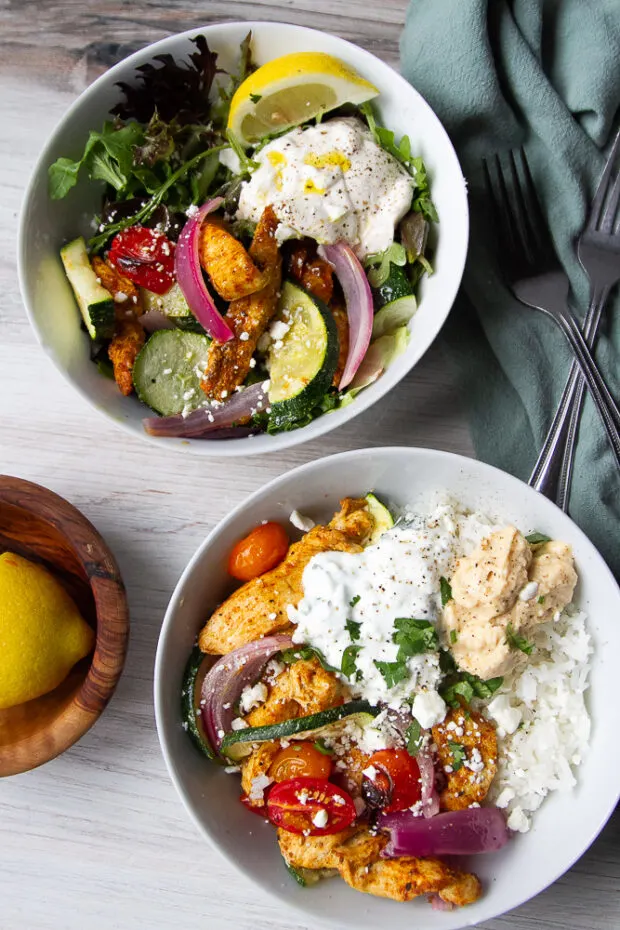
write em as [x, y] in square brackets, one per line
[396, 784]
[262, 549]
[300, 760]
[310, 806]
[145, 256]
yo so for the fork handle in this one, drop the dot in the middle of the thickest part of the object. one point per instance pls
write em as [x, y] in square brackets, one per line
[553, 469]
[605, 404]
[590, 332]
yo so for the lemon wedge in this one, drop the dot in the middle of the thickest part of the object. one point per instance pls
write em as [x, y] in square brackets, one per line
[42, 633]
[292, 89]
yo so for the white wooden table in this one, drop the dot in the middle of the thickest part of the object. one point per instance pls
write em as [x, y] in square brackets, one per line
[98, 837]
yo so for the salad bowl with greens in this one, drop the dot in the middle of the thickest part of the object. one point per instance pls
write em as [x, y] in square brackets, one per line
[248, 233]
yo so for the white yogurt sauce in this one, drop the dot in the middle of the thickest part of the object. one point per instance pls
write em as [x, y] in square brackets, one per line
[330, 182]
[398, 577]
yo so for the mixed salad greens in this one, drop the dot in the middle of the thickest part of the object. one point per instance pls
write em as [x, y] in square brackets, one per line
[219, 324]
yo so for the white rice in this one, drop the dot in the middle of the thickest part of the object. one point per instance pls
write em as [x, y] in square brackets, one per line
[552, 737]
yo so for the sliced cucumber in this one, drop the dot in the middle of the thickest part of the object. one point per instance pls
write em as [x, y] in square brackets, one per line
[238, 743]
[95, 302]
[302, 363]
[396, 286]
[174, 305]
[168, 370]
[393, 315]
[383, 519]
[197, 667]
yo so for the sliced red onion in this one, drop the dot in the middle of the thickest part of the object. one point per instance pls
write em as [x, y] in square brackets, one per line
[358, 298]
[225, 681]
[190, 277]
[430, 799]
[205, 422]
[454, 833]
[153, 320]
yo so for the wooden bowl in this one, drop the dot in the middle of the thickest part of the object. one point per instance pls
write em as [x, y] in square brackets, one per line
[41, 526]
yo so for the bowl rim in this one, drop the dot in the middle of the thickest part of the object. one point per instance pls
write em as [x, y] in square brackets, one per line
[176, 601]
[104, 579]
[321, 425]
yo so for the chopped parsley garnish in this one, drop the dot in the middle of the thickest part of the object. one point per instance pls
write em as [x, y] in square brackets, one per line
[413, 735]
[517, 641]
[353, 629]
[535, 538]
[446, 590]
[458, 755]
[453, 636]
[392, 672]
[322, 748]
[541, 599]
[349, 657]
[414, 637]
[296, 653]
[459, 684]
[256, 97]
[354, 600]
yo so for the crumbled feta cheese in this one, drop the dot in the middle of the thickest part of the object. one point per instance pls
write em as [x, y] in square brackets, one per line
[518, 821]
[301, 522]
[244, 337]
[320, 818]
[279, 329]
[505, 716]
[370, 772]
[428, 708]
[252, 696]
[257, 787]
[120, 297]
[238, 724]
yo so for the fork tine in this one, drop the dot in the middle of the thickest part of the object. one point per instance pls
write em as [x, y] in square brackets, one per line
[499, 204]
[603, 186]
[506, 221]
[609, 216]
[536, 227]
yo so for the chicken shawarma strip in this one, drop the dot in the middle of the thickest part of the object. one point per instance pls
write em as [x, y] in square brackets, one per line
[226, 261]
[356, 854]
[313, 273]
[467, 751]
[303, 688]
[125, 293]
[123, 351]
[229, 363]
[259, 607]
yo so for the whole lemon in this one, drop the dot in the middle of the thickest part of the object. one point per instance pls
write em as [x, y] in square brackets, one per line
[42, 633]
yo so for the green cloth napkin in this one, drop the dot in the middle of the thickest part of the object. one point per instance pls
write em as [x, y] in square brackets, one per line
[544, 74]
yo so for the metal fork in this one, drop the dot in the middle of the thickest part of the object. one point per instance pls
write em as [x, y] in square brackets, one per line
[534, 273]
[598, 248]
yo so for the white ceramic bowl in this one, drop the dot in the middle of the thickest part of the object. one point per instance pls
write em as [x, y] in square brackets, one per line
[565, 825]
[46, 225]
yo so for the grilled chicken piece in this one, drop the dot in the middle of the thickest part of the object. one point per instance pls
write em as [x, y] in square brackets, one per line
[258, 608]
[471, 783]
[342, 325]
[229, 363]
[313, 273]
[116, 283]
[123, 351]
[232, 271]
[303, 688]
[255, 765]
[356, 854]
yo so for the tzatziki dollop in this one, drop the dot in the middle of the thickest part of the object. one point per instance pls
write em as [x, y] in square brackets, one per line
[330, 182]
[355, 599]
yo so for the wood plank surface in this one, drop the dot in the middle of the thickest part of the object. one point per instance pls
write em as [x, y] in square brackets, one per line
[98, 838]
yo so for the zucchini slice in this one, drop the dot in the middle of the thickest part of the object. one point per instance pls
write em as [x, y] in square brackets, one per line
[306, 878]
[393, 315]
[168, 371]
[95, 302]
[383, 519]
[175, 306]
[396, 286]
[303, 362]
[238, 743]
[197, 667]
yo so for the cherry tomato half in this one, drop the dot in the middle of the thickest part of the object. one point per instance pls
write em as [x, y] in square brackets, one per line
[312, 806]
[262, 549]
[145, 256]
[300, 760]
[396, 785]
[261, 811]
